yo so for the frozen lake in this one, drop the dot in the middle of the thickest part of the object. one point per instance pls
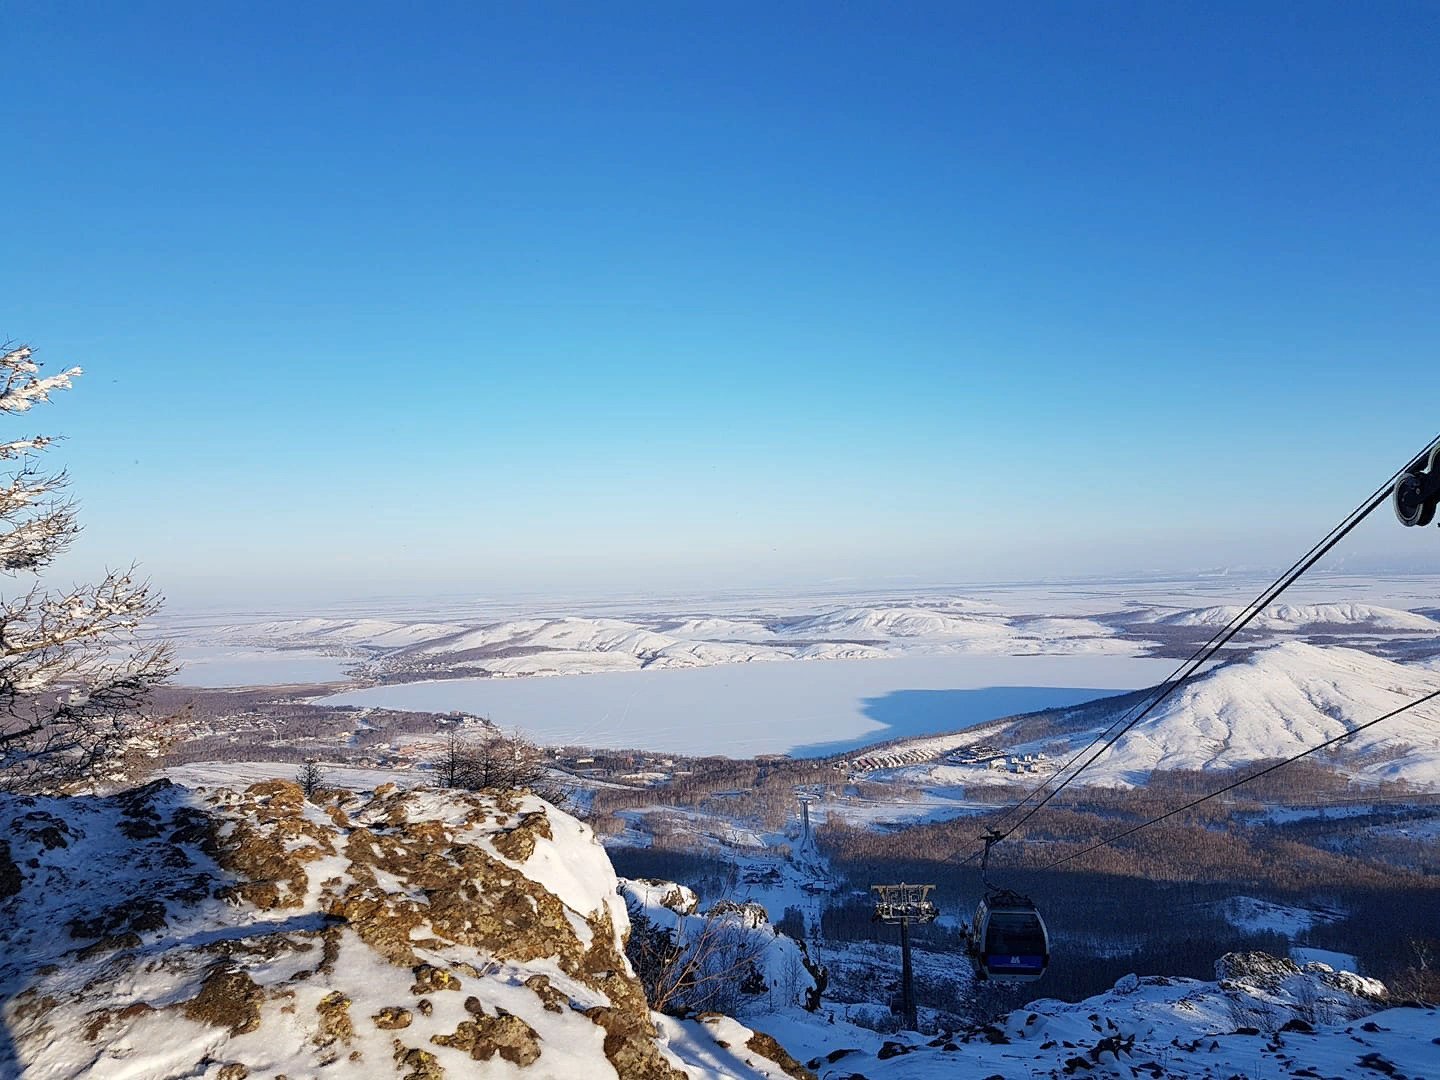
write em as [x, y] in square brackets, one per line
[214, 667]
[806, 708]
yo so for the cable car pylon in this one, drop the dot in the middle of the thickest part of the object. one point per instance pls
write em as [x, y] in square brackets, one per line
[902, 905]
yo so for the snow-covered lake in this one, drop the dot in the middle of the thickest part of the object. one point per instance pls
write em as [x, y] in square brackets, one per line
[200, 666]
[806, 708]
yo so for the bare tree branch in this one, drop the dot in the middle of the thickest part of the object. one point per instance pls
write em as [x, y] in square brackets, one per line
[74, 668]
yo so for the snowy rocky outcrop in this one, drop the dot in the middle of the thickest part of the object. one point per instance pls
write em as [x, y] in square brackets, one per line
[1263, 1017]
[419, 934]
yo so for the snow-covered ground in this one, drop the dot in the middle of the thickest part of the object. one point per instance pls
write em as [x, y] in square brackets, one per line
[1259, 916]
[1289, 1024]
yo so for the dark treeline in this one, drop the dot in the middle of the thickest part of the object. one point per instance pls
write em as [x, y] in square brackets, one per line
[1154, 902]
[761, 791]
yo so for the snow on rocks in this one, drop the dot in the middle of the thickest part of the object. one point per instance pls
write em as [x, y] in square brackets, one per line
[1265, 1017]
[169, 931]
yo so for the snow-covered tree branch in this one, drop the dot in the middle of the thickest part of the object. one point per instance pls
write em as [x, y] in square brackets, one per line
[74, 671]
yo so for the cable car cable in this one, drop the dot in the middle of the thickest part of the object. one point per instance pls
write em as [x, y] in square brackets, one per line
[1187, 670]
[1242, 618]
[1266, 598]
[1243, 780]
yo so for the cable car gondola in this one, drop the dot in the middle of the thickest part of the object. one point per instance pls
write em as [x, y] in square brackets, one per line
[1008, 939]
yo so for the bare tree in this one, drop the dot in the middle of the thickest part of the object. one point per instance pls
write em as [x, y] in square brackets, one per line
[701, 964]
[310, 776]
[497, 761]
[451, 766]
[73, 672]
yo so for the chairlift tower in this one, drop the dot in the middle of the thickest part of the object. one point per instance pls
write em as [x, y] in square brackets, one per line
[900, 905]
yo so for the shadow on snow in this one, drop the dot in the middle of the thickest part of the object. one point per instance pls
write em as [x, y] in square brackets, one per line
[915, 713]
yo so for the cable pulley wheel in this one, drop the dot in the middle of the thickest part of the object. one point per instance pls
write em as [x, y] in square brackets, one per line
[1414, 505]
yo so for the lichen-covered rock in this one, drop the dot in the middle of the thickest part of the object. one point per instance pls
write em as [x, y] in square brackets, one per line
[227, 999]
[486, 1036]
[413, 934]
[393, 1018]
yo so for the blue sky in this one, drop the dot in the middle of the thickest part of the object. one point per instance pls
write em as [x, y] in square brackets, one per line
[377, 297]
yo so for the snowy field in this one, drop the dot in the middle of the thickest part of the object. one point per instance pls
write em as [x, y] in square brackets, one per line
[739, 710]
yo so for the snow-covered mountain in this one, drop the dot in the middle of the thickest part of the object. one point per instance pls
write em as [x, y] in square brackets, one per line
[1272, 703]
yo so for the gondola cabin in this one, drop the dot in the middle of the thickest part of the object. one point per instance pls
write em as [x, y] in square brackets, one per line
[1008, 939]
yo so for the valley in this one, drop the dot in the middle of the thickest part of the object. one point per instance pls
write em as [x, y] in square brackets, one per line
[948, 711]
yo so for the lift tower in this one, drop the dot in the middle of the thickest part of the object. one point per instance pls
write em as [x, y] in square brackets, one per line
[901, 905]
[806, 798]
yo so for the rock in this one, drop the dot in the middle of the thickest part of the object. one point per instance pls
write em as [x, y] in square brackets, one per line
[767, 1047]
[429, 979]
[334, 1010]
[392, 1018]
[892, 1049]
[409, 895]
[554, 1000]
[228, 999]
[1242, 965]
[10, 878]
[518, 844]
[421, 1064]
[486, 1036]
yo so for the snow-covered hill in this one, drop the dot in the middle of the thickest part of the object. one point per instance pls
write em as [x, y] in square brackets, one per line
[865, 627]
[1280, 701]
[172, 932]
[1355, 617]
[583, 644]
[1270, 704]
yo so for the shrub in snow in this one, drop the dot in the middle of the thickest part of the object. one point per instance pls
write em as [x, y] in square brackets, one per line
[728, 959]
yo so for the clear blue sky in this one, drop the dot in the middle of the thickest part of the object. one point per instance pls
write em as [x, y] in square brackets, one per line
[388, 297]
